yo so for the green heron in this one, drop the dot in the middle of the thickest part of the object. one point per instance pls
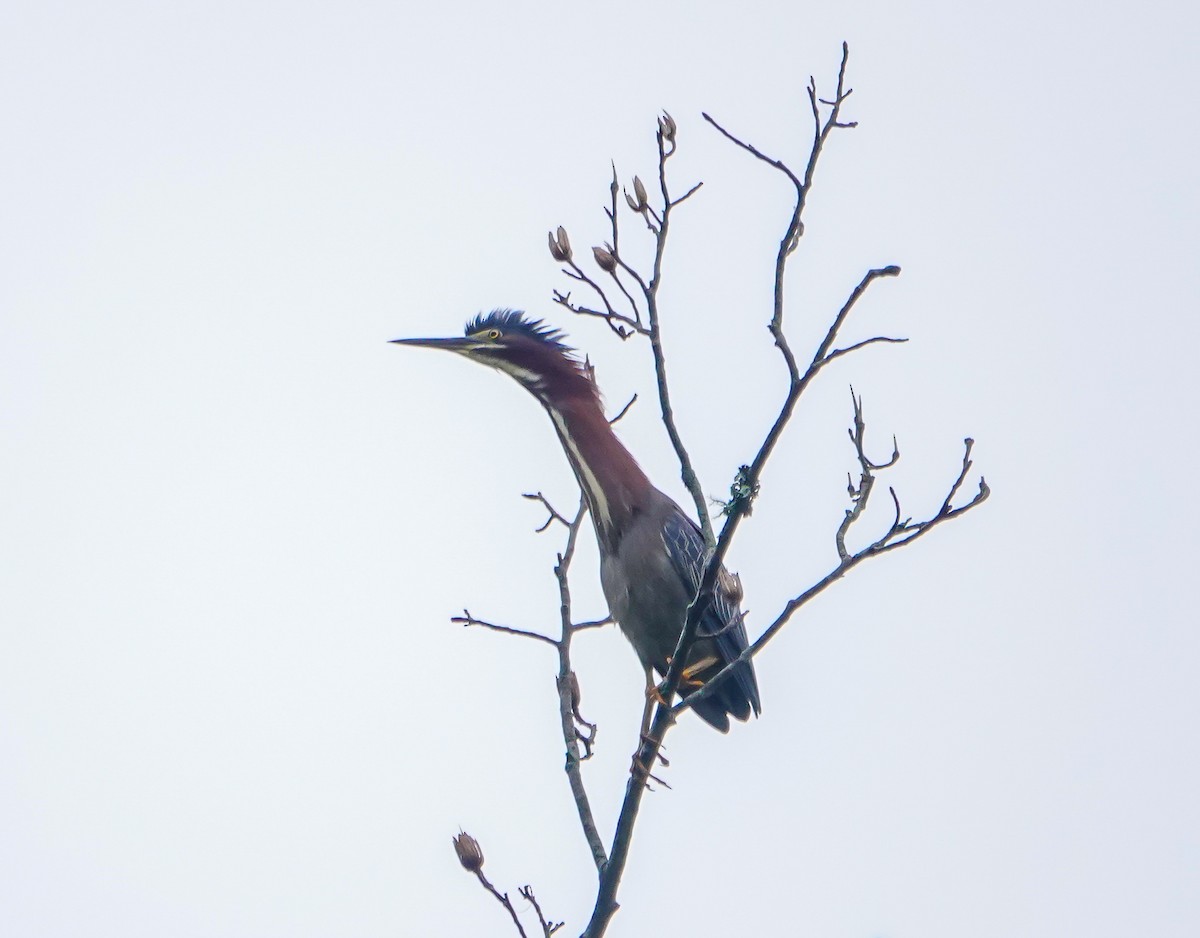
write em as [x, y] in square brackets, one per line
[651, 553]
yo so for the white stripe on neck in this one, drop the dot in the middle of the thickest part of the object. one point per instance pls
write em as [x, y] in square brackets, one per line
[587, 478]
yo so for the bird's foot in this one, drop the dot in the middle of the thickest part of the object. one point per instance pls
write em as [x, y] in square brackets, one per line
[640, 771]
[658, 753]
[654, 695]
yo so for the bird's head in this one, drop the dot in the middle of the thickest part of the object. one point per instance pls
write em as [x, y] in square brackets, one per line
[527, 349]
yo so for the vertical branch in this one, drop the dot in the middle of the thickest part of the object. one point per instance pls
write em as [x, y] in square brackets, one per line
[666, 149]
[568, 698]
[571, 721]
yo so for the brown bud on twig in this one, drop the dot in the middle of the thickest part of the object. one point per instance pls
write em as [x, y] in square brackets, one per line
[604, 260]
[469, 853]
[666, 127]
[560, 246]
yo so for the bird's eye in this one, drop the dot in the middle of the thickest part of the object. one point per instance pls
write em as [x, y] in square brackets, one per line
[493, 334]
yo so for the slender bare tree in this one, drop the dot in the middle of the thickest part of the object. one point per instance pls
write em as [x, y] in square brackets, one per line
[627, 299]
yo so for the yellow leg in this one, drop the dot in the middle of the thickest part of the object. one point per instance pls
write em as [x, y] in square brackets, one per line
[652, 697]
[693, 669]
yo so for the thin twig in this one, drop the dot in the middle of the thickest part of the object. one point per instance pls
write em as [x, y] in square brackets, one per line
[687, 195]
[861, 494]
[621, 324]
[614, 247]
[823, 356]
[624, 410]
[857, 345]
[568, 698]
[750, 148]
[502, 898]
[687, 472]
[466, 619]
[553, 513]
[628, 296]
[548, 928]
[593, 624]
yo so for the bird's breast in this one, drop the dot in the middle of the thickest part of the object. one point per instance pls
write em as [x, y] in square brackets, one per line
[645, 597]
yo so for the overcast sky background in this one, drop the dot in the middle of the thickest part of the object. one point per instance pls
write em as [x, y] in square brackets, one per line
[234, 522]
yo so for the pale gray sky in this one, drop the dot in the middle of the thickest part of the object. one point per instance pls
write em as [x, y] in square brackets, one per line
[234, 522]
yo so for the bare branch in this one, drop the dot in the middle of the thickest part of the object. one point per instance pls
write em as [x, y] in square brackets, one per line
[553, 514]
[857, 345]
[624, 410]
[755, 151]
[621, 324]
[548, 928]
[892, 540]
[666, 149]
[637, 316]
[900, 533]
[593, 624]
[821, 133]
[823, 356]
[642, 285]
[502, 898]
[687, 195]
[968, 445]
[466, 619]
[614, 321]
[576, 731]
[614, 247]
[862, 494]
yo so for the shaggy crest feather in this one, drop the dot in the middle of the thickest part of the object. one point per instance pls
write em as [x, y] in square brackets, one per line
[515, 321]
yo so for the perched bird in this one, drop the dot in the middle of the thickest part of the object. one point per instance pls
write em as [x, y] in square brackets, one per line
[651, 553]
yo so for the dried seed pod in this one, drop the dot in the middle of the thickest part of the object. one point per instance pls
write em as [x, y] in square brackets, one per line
[470, 855]
[604, 260]
[640, 191]
[667, 127]
[560, 245]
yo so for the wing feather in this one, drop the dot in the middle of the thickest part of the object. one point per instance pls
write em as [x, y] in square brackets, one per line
[722, 621]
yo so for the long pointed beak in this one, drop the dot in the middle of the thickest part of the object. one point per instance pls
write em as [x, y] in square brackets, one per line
[455, 344]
